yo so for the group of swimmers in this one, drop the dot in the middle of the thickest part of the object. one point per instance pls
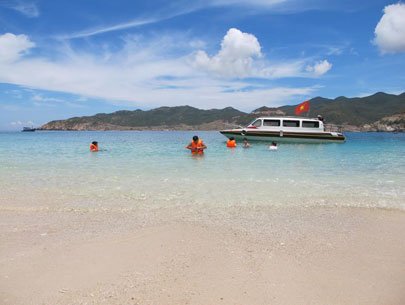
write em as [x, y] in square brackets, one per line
[197, 146]
[231, 143]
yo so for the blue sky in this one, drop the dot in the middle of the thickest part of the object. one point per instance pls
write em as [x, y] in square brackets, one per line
[60, 59]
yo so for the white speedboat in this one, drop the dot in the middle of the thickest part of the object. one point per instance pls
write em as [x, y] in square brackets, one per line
[285, 129]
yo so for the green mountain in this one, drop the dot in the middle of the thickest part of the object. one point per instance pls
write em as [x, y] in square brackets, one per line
[180, 117]
[355, 111]
[341, 111]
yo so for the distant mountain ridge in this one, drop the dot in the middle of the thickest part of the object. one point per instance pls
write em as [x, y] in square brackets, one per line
[350, 112]
[355, 111]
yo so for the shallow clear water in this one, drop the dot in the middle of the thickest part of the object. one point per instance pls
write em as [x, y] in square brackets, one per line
[55, 170]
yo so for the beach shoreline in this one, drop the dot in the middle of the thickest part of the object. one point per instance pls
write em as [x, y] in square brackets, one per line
[236, 255]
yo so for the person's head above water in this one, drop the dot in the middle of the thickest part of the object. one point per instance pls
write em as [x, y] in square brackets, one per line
[273, 144]
[246, 143]
[94, 143]
[231, 138]
[195, 138]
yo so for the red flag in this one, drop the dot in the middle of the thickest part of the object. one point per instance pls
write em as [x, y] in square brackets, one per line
[303, 107]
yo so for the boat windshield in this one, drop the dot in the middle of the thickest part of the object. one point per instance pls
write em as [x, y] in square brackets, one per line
[256, 123]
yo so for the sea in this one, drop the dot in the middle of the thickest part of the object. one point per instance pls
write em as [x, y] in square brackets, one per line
[54, 170]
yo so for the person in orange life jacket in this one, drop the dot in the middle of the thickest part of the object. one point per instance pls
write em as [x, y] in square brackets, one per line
[94, 146]
[231, 143]
[196, 146]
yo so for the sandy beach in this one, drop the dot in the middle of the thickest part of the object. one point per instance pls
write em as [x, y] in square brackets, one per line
[238, 256]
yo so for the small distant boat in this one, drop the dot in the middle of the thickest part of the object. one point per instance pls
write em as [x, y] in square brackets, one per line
[26, 129]
[287, 130]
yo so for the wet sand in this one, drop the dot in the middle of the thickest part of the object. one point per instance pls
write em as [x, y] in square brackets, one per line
[235, 255]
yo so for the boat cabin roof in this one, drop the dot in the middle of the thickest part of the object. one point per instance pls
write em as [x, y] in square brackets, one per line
[286, 118]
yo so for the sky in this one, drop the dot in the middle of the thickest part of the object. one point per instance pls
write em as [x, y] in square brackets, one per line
[60, 59]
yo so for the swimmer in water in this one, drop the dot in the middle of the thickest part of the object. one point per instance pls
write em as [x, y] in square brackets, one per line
[231, 143]
[94, 146]
[246, 144]
[196, 146]
[273, 146]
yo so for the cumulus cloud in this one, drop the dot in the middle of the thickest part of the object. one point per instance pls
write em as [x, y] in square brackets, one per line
[12, 47]
[319, 68]
[390, 30]
[240, 56]
[235, 58]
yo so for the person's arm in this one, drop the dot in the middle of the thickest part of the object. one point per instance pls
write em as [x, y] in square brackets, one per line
[189, 146]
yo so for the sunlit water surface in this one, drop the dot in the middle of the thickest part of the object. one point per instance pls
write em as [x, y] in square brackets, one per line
[55, 170]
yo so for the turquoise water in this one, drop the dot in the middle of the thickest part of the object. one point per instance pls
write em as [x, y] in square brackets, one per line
[55, 170]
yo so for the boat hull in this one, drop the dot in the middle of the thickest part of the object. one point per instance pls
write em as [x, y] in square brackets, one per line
[284, 137]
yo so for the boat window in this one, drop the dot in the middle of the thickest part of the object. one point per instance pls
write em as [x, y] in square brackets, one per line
[310, 124]
[271, 122]
[291, 123]
[257, 123]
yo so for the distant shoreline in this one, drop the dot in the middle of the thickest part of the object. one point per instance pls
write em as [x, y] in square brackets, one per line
[351, 129]
[378, 112]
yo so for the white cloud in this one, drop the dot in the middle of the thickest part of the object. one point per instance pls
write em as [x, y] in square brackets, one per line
[390, 30]
[335, 50]
[111, 28]
[137, 22]
[46, 101]
[148, 75]
[181, 8]
[26, 8]
[20, 123]
[12, 47]
[14, 93]
[240, 56]
[236, 56]
[320, 68]
[282, 70]
[40, 98]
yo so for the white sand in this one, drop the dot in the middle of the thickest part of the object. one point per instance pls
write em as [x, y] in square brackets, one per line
[266, 256]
